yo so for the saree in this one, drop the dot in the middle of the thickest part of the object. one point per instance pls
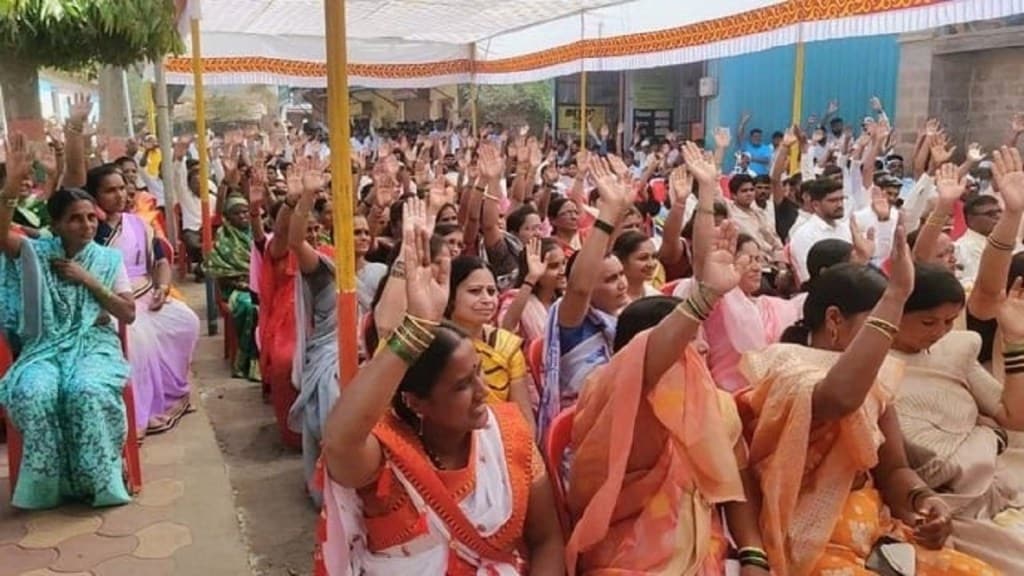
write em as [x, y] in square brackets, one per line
[741, 324]
[64, 390]
[649, 467]
[534, 319]
[415, 519]
[147, 208]
[229, 262]
[946, 405]
[815, 518]
[564, 378]
[315, 369]
[160, 343]
[277, 334]
[501, 362]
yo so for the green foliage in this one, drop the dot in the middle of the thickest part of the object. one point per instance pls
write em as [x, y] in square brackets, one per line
[78, 34]
[512, 105]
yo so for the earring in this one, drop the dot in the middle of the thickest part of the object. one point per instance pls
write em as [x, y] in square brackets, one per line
[835, 336]
[419, 431]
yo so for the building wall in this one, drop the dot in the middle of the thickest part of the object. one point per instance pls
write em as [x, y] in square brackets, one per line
[850, 70]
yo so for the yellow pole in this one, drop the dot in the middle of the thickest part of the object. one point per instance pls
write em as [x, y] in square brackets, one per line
[204, 169]
[341, 189]
[798, 100]
[150, 109]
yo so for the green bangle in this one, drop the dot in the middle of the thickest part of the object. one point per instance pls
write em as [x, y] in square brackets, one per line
[401, 350]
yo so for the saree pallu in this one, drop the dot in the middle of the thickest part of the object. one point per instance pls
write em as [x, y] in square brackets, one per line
[565, 371]
[395, 526]
[532, 322]
[501, 362]
[64, 391]
[649, 468]
[277, 336]
[946, 406]
[815, 520]
[161, 342]
[230, 262]
[315, 369]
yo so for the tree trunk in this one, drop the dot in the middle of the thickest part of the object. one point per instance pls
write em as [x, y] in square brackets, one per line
[113, 111]
[20, 82]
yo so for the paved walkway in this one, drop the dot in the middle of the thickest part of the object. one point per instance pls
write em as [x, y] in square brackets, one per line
[186, 521]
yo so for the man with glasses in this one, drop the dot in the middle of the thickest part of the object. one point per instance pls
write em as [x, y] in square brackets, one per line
[981, 212]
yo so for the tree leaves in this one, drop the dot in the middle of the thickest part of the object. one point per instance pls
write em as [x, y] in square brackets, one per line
[77, 34]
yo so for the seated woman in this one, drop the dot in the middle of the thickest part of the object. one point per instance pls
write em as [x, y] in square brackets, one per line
[163, 337]
[581, 324]
[422, 475]
[472, 305]
[656, 446]
[229, 265]
[142, 203]
[541, 281]
[838, 495]
[64, 390]
[955, 417]
[639, 263]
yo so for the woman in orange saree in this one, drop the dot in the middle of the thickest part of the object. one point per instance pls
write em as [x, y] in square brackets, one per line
[422, 475]
[825, 442]
[654, 455]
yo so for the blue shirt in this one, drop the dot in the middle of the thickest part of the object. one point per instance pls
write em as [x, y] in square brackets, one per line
[756, 152]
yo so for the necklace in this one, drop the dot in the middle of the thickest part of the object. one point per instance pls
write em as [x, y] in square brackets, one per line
[434, 459]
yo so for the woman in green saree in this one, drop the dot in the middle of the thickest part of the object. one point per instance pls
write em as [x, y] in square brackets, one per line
[64, 390]
[229, 264]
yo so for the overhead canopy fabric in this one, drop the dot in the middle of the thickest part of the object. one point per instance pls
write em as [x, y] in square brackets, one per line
[423, 43]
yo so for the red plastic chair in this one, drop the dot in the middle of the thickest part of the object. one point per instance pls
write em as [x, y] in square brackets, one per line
[558, 439]
[230, 333]
[130, 452]
[535, 361]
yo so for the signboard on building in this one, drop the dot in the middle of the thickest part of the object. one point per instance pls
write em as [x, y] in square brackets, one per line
[568, 119]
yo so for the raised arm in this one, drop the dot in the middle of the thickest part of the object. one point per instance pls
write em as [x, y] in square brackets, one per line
[742, 129]
[848, 382]
[680, 185]
[491, 168]
[990, 286]
[950, 186]
[722, 142]
[278, 246]
[613, 203]
[535, 266]
[18, 167]
[1011, 323]
[352, 454]
[706, 174]
[74, 136]
[924, 147]
[309, 260]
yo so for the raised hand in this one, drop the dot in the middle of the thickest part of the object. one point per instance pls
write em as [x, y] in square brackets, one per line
[426, 293]
[535, 264]
[680, 183]
[863, 244]
[744, 118]
[876, 103]
[702, 169]
[941, 152]
[79, 108]
[613, 194]
[950, 187]
[721, 270]
[723, 138]
[789, 139]
[901, 274]
[1008, 173]
[489, 162]
[1011, 313]
[620, 169]
[1017, 123]
[19, 164]
[879, 203]
[535, 156]
[931, 127]
[974, 153]
[882, 131]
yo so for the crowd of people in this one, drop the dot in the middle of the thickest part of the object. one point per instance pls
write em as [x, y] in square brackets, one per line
[813, 364]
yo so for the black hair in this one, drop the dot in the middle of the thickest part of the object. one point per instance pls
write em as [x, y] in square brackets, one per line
[94, 178]
[852, 288]
[756, 131]
[778, 135]
[977, 202]
[555, 206]
[516, 218]
[762, 179]
[819, 188]
[737, 182]
[547, 244]
[446, 206]
[836, 120]
[442, 230]
[124, 159]
[825, 254]
[934, 286]
[461, 268]
[61, 200]
[640, 315]
[744, 239]
[830, 171]
[420, 378]
[627, 243]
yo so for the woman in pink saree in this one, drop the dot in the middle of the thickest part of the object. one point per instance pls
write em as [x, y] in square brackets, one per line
[164, 335]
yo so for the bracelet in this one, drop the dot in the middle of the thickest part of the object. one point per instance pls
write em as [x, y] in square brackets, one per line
[411, 338]
[1002, 440]
[999, 244]
[884, 326]
[10, 201]
[530, 284]
[685, 310]
[756, 563]
[480, 188]
[604, 227]
[756, 557]
[916, 494]
[1013, 349]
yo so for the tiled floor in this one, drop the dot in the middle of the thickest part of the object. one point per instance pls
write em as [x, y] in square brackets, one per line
[183, 523]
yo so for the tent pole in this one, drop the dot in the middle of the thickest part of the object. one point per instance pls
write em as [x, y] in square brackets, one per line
[798, 97]
[341, 189]
[472, 87]
[204, 171]
[583, 85]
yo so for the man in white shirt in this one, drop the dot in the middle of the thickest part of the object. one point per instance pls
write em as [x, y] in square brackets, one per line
[827, 222]
[186, 192]
[981, 213]
[750, 218]
[881, 216]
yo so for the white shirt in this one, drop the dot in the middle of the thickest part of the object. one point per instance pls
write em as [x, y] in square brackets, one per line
[810, 233]
[754, 222]
[968, 254]
[191, 207]
[885, 232]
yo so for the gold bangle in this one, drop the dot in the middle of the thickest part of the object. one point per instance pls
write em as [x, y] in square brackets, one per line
[884, 324]
[999, 244]
[880, 330]
[684, 310]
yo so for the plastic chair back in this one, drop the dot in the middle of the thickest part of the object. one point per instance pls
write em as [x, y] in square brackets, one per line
[558, 439]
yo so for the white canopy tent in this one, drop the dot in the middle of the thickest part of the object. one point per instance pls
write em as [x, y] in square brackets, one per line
[423, 43]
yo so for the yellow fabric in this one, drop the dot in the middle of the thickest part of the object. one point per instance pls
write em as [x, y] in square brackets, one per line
[154, 157]
[501, 363]
[659, 276]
